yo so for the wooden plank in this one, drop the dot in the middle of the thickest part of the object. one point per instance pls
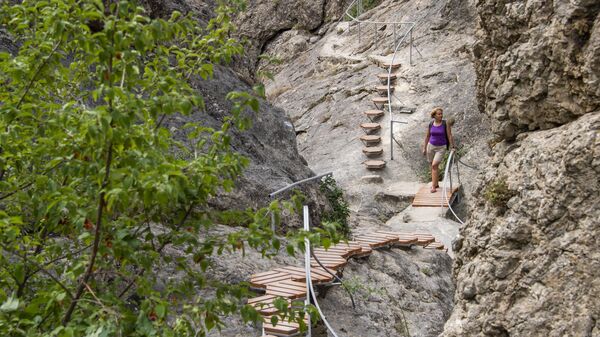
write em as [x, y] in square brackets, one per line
[403, 239]
[262, 298]
[333, 254]
[384, 76]
[348, 245]
[319, 271]
[374, 164]
[330, 265]
[316, 278]
[424, 197]
[262, 283]
[380, 236]
[286, 293]
[339, 251]
[264, 273]
[380, 100]
[280, 329]
[435, 245]
[374, 244]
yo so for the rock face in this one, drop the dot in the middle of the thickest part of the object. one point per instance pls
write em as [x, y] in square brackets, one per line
[265, 20]
[326, 89]
[527, 263]
[270, 145]
[538, 63]
[397, 293]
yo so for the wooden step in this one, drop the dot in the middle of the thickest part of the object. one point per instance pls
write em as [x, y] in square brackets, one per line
[283, 328]
[329, 263]
[318, 275]
[394, 65]
[370, 127]
[374, 164]
[286, 289]
[370, 140]
[435, 245]
[383, 90]
[380, 101]
[372, 151]
[374, 114]
[372, 242]
[383, 77]
[261, 280]
[403, 239]
[266, 306]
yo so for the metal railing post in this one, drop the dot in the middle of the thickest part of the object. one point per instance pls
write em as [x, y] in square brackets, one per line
[391, 140]
[307, 263]
[273, 222]
[411, 45]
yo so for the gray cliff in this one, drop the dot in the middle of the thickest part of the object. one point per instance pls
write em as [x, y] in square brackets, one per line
[527, 263]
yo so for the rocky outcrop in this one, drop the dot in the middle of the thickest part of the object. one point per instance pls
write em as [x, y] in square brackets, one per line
[270, 144]
[527, 260]
[265, 20]
[538, 63]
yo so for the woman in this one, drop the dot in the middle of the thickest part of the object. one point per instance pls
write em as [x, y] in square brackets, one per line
[438, 139]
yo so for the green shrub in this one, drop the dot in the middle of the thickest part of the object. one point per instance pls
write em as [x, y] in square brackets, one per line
[498, 193]
[340, 209]
[103, 229]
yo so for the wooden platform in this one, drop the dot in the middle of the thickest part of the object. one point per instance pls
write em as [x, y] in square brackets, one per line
[424, 197]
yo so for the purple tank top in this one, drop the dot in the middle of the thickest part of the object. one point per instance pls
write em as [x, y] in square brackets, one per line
[438, 136]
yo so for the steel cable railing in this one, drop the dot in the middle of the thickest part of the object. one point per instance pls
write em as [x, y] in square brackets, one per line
[448, 175]
[309, 285]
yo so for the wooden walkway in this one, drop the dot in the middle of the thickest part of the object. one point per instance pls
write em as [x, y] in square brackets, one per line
[289, 282]
[424, 197]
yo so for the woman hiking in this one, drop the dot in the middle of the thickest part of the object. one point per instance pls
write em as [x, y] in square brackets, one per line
[438, 140]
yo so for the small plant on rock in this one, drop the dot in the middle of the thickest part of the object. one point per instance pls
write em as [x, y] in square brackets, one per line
[340, 210]
[498, 193]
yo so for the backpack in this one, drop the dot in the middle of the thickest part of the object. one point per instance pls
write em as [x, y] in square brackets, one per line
[445, 132]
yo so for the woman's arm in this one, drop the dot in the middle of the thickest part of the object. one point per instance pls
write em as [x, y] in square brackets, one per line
[424, 146]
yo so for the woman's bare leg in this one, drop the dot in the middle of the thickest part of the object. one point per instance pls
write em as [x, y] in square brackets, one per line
[434, 176]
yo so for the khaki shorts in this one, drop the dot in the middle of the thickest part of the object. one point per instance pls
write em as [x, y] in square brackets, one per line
[435, 153]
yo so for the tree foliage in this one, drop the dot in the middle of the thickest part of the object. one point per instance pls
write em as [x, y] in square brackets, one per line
[91, 193]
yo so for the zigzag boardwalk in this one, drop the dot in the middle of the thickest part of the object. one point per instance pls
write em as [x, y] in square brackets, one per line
[289, 283]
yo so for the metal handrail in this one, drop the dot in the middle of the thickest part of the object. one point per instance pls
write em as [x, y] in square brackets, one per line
[309, 285]
[281, 190]
[358, 4]
[373, 22]
[389, 87]
[448, 174]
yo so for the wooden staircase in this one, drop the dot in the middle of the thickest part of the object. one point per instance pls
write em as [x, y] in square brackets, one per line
[289, 282]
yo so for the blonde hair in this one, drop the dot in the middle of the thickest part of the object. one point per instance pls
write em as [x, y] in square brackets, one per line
[434, 111]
